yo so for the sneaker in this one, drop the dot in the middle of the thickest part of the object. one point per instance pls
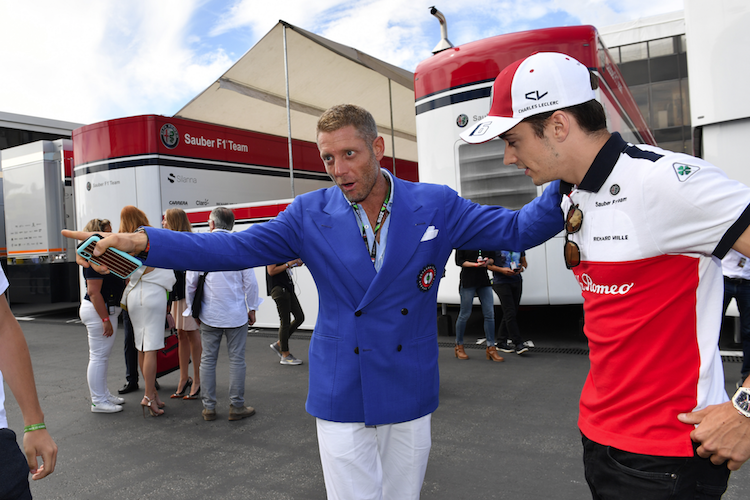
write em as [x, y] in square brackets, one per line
[105, 407]
[290, 360]
[115, 400]
[239, 413]
[209, 414]
[524, 347]
[506, 346]
[276, 348]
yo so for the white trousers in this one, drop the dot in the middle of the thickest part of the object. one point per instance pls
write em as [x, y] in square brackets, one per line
[99, 349]
[384, 462]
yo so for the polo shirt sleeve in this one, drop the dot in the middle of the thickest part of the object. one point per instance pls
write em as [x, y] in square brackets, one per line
[691, 206]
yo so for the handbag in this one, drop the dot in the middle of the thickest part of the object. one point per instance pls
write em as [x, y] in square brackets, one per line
[198, 297]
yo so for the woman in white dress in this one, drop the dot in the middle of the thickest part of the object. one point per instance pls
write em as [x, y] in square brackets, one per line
[146, 301]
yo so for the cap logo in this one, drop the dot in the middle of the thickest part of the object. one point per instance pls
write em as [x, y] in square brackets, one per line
[535, 95]
[481, 129]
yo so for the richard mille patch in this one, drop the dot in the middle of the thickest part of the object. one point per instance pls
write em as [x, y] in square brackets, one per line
[684, 172]
[426, 277]
[614, 189]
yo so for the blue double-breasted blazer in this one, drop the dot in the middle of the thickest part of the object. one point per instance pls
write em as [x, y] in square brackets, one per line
[374, 354]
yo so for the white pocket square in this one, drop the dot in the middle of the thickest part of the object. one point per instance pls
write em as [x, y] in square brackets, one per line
[430, 234]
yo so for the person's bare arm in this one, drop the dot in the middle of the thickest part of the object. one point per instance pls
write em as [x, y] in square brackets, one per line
[15, 364]
[274, 269]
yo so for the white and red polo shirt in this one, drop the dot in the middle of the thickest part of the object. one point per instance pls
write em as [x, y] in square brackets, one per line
[655, 225]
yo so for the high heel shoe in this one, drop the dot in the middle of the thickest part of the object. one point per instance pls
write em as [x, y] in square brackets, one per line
[194, 395]
[460, 353]
[493, 355]
[155, 412]
[181, 394]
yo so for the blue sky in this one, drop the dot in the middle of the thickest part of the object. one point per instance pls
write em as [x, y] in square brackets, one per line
[91, 60]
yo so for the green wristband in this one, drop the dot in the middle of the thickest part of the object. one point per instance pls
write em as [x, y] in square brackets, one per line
[35, 427]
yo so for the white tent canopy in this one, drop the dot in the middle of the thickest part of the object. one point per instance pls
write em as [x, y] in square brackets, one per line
[251, 95]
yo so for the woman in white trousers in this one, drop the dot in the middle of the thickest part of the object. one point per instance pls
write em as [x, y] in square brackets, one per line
[99, 312]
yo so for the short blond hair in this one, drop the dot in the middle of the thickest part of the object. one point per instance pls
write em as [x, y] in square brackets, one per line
[343, 115]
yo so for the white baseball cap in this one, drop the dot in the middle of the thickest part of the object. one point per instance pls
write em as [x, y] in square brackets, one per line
[542, 82]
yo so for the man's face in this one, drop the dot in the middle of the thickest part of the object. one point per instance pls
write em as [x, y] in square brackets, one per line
[528, 151]
[351, 163]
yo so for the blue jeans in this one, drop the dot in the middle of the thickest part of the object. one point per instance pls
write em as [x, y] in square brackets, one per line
[211, 340]
[615, 474]
[740, 290]
[488, 311]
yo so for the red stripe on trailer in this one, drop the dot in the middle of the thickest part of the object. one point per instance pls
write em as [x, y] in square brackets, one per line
[242, 213]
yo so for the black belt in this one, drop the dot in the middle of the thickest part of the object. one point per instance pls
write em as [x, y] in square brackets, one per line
[737, 280]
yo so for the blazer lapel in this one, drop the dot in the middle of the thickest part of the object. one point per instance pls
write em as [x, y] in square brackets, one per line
[338, 227]
[409, 221]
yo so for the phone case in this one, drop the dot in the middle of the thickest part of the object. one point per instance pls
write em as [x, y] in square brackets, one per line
[118, 262]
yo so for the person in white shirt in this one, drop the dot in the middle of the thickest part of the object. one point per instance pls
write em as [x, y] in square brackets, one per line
[228, 306]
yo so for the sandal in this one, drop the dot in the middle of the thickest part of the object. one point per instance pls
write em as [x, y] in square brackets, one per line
[154, 412]
[181, 394]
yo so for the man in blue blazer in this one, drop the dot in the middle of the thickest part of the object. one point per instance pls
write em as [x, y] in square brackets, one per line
[376, 247]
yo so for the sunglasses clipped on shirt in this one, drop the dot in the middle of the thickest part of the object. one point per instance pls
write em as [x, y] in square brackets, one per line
[572, 225]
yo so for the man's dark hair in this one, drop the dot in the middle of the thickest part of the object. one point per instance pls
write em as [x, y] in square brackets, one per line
[590, 115]
[222, 217]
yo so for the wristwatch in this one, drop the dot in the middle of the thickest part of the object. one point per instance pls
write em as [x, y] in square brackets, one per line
[741, 401]
[144, 254]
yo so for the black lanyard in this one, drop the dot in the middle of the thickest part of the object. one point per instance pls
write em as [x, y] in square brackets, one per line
[381, 218]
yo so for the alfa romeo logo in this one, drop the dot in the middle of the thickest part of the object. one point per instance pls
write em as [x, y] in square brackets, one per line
[169, 135]
[462, 121]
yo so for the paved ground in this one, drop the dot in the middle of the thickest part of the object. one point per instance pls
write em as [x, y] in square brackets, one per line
[502, 430]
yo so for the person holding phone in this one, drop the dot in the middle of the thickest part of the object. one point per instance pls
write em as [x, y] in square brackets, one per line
[475, 281]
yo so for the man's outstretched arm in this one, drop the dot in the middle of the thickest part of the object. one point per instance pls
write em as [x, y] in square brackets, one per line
[15, 364]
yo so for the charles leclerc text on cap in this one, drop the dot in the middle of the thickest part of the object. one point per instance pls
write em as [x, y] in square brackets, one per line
[545, 81]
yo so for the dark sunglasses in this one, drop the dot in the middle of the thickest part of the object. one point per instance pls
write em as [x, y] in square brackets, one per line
[572, 225]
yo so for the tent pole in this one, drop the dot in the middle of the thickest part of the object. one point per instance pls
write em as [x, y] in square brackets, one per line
[288, 113]
[393, 135]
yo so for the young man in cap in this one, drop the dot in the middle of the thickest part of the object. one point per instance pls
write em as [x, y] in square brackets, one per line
[645, 231]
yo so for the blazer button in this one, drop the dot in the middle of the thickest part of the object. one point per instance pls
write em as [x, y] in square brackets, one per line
[358, 314]
[356, 350]
[404, 311]
[399, 348]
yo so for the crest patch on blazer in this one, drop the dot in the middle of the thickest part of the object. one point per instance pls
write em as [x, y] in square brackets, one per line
[426, 277]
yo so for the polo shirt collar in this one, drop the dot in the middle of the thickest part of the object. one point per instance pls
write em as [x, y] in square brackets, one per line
[602, 167]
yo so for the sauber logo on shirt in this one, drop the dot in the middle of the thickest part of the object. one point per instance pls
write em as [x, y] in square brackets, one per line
[683, 171]
[588, 285]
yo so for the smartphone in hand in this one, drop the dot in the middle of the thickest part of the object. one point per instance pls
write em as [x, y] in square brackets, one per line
[118, 262]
